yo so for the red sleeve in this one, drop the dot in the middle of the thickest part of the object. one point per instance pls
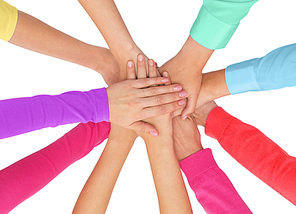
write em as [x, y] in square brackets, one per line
[255, 151]
[24, 178]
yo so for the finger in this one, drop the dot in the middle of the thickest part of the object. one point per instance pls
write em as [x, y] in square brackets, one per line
[166, 74]
[177, 112]
[141, 67]
[141, 126]
[146, 82]
[162, 109]
[190, 107]
[163, 99]
[157, 90]
[130, 70]
[152, 71]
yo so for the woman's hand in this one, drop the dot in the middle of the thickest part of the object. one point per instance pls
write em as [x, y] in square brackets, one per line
[131, 101]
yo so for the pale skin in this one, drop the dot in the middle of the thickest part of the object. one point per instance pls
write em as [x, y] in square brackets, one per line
[35, 35]
[97, 191]
[186, 69]
[168, 180]
[108, 20]
[213, 86]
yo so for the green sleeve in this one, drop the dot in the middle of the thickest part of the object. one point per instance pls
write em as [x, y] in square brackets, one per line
[217, 21]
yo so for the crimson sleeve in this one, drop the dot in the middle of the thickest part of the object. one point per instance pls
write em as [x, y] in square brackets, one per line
[255, 151]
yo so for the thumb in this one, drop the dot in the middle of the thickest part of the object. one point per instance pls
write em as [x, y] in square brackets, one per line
[190, 107]
[141, 126]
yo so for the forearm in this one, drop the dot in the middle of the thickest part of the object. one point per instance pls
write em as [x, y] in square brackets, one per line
[35, 35]
[213, 86]
[211, 185]
[21, 115]
[108, 20]
[170, 187]
[96, 193]
[24, 178]
[255, 151]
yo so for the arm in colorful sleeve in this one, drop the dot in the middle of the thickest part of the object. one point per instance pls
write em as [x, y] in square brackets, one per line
[275, 70]
[217, 21]
[255, 151]
[21, 115]
[8, 20]
[27, 176]
[210, 184]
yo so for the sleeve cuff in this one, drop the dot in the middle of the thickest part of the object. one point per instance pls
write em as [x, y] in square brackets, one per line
[102, 105]
[8, 21]
[197, 163]
[216, 123]
[241, 77]
[211, 32]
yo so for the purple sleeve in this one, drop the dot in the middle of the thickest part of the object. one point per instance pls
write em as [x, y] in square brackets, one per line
[211, 186]
[21, 115]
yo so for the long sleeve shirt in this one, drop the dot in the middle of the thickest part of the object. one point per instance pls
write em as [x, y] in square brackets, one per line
[275, 70]
[255, 151]
[21, 115]
[8, 20]
[211, 186]
[218, 20]
[24, 178]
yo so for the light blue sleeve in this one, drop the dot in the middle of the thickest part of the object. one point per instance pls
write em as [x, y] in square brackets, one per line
[275, 70]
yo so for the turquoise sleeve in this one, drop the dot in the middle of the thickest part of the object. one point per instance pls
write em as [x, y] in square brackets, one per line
[217, 21]
[274, 71]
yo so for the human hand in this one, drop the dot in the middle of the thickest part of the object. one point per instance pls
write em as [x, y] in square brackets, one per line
[107, 66]
[130, 101]
[201, 114]
[186, 137]
[162, 122]
[186, 69]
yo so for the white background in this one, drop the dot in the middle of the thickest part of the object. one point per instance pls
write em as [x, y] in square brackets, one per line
[160, 28]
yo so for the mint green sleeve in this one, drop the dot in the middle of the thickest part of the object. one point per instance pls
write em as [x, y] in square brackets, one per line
[217, 21]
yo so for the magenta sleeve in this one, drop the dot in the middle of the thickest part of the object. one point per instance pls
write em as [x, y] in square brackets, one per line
[211, 186]
[24, 178]
[255, 151]
[21, 115]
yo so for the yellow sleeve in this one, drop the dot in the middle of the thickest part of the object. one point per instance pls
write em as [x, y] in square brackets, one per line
[8, 20]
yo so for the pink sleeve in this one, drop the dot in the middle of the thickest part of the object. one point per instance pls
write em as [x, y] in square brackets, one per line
[211, 186]
[24, 178]
[255, 151]
[21, 115]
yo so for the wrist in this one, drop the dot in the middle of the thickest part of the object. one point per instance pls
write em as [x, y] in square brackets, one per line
[214, 85]
[195, 53]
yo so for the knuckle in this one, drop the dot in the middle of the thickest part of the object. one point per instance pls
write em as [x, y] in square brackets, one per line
[159, 100]
[162, 109]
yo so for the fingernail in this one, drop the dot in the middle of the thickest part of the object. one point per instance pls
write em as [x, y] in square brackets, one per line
[184, 118]
[165, 74]
[181, 102]
[177, 88]
[182, 94]
[151, 63]
[154, 134]
[165, 80]
[129, 64]
[140, 58]
[172, 115]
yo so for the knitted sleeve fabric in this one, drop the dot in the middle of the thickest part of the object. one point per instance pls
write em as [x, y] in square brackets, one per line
[23, 115]
[24, 178]
[275, 70]
[8, 20]
[211, 186]
[255, 151]
[218, 20]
